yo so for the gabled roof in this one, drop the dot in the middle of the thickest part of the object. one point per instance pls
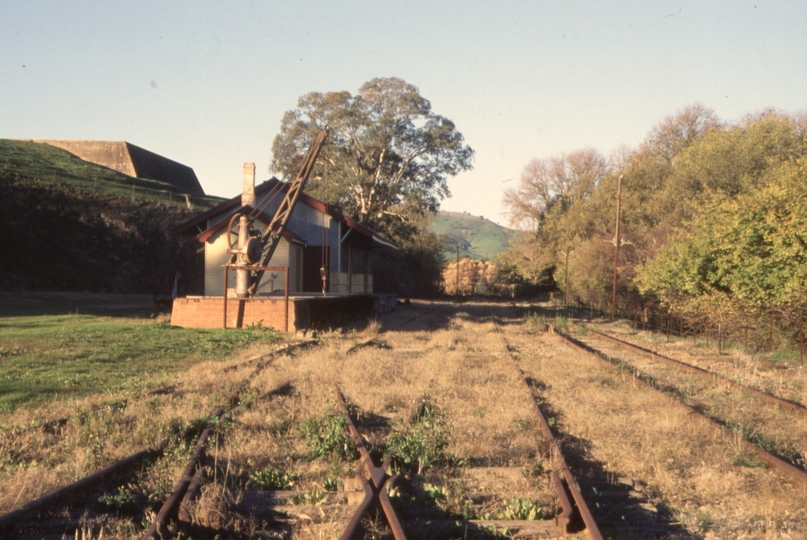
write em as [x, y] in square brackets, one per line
[198, 225]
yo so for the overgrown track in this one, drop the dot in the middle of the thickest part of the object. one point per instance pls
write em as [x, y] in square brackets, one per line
[773, 462]
[28, 518]
[451, 422]
[790, 406]
[570, 515]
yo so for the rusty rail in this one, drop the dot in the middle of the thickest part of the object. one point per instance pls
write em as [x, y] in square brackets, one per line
[170, 505]
[770, 460]
[564, 520]
[793, 407]
[373, 492]
[9, 520]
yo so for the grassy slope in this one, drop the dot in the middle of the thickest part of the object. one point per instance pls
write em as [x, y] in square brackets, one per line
[478, 237]
[71, 225]
[47, 165]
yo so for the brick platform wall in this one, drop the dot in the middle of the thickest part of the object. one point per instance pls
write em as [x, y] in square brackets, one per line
[207, 312]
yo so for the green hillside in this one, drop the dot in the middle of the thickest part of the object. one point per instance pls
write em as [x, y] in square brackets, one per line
[50, 166]
[479, 238]
[70, 225]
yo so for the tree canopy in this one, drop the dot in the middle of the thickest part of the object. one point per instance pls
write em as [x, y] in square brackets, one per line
[388, 157]
[714, 216]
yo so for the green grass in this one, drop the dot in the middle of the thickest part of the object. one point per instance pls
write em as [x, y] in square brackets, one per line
[479, 238]
[53, 357]
[47, 165]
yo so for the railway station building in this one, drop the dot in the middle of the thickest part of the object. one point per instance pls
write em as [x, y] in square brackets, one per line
[317, 237]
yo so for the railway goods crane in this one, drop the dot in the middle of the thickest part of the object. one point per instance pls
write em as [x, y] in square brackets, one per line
[250, 250]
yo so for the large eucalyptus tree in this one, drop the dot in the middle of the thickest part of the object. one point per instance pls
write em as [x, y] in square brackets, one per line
[388, 157]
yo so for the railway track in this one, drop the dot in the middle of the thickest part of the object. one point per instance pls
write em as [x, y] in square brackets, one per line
[784, 404]
[702, 400]
[453, 422]
[475, 493]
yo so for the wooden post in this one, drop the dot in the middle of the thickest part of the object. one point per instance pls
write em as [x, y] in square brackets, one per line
[286, 298]
[745, 338]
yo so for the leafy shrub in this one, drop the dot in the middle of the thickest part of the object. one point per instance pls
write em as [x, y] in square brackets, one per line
[422, 444]
[326, 437]
[520, 509]
[272, 478]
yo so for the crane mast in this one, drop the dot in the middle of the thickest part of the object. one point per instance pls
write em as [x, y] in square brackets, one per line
[276, 228]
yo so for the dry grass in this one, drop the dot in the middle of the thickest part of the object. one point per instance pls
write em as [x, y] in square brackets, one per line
[685, 465]
[778, 431]
[455, 356]
[784, 380]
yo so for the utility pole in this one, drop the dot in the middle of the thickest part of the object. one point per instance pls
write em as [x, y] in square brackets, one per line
[457, 288]
[566, 279]
[616, 244]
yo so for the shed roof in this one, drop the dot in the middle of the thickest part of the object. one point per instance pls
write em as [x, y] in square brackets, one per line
[198, 225]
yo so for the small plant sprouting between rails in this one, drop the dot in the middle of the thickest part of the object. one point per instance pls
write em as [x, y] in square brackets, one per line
[331, 484]
[310, 498]
[124, 501]
[272, 478]
[520, 509]
[536, 471]
[326, 437]
[423, 443]
[453, 499]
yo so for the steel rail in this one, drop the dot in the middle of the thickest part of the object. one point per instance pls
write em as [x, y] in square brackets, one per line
[565, 518]
[653, 355]
[10, 519]
[371, 492]
[769, 459]
[170, 505]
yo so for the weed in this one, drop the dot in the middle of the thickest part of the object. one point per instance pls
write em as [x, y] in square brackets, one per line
[534, 322]
[310, 498]
[747, 459]
[124, 501]
[536, 471]
[562, 323]
[326, 437]
[453, 499]
[273, 479]
[280, 426]
[705, 523]
[331, 484]
[520, 509]
[422, 444]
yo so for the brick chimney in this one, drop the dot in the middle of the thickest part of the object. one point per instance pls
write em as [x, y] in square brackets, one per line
[248, 196]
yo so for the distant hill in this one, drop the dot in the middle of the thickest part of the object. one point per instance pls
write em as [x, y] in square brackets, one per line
[71, 225]
[479, 238]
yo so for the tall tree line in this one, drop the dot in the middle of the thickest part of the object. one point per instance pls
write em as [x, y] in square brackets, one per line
[714, 217]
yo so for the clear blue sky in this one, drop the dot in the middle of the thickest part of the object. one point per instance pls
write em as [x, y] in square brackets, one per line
[206, 83]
